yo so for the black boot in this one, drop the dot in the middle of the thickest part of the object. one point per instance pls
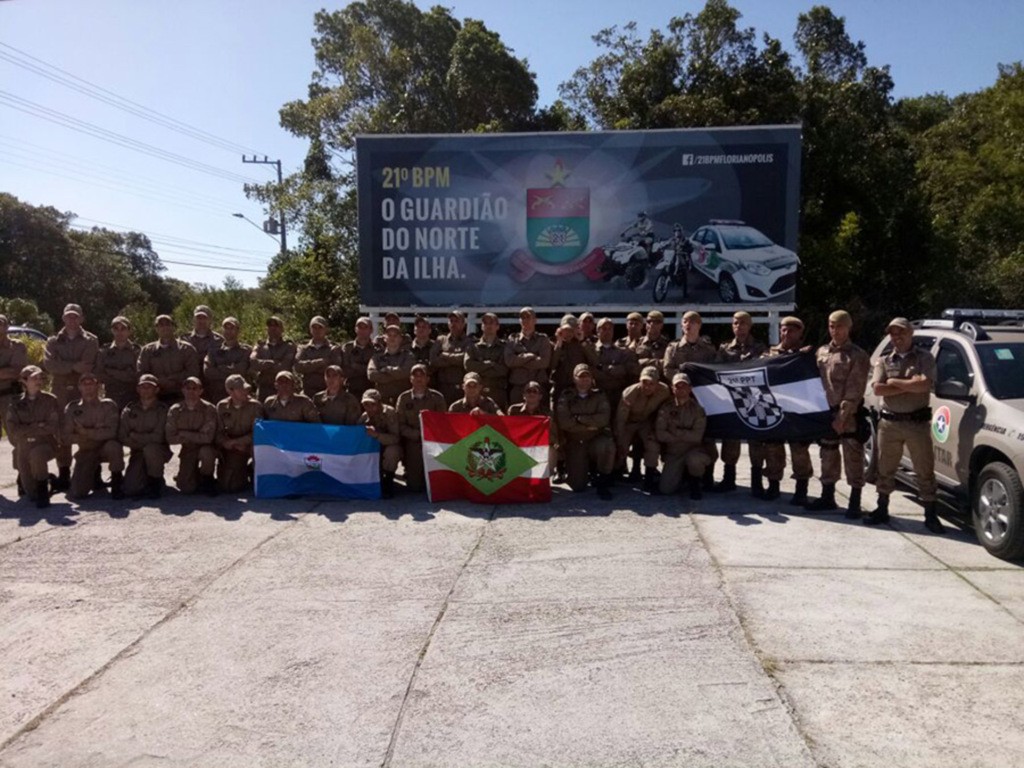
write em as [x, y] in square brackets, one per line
[881, 513]
[116, 482]
[42, 494]
[756, 486]
[773, 491]
[826, 502]
[210, 487]
[695, 488]
[21, 486]
[651, 481]
[800, 494]
[559, 478]
[636, 474]
[602, 484]
[63, 481]
[853, 511]
[707, 483]
[154, 487]
[728, 479]
[97, 479]
[931, 518]
[387, 485]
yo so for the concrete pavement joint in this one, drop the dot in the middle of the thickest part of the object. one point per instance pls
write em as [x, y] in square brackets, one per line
[768, 665]
[393, 741]
[87, 517]
[36, 721]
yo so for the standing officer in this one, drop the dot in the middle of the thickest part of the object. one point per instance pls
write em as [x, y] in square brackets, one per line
[791, 336]
[227, 359]
[410, 403]
[568, 353]
[844, 369]
[691, 347]
[192, 424]
[617, 367]
[634, 421]
[422, 345]
[271, 356]
[527, 355]
[335, 405]
[236, 417]
[903, 378]
[92, 424]
[449, 357]
[287, 404]
[381, 422]
[170, 360]
[679, 428]
[742, 347]
[68, 354]
[201, 337]
[588, 328]
[487, 357]
[634, 331]
[650, 349]
[584, 416]
[356, 356]
[314, 356]
[33, 427]
[13, 358]
[117, 364]
[389, 369]
[474, 400]
[143, 429]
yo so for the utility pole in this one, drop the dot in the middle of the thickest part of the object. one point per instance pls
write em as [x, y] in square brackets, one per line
[280, 182]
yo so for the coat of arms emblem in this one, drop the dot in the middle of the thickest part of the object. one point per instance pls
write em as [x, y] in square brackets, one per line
[752, 397]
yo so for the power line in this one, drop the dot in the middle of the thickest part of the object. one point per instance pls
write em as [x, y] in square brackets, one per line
[208, 257]
[81, 126]
[88, 249]
[157, 235]
[83, 86]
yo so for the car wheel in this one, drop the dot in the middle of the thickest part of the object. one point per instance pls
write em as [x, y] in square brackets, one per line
[998, 513]
[727, 289]
[661, 287]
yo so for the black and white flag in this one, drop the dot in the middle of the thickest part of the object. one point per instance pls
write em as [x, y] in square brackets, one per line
[774, 399]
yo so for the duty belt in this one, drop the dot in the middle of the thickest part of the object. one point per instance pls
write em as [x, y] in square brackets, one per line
[921, 414]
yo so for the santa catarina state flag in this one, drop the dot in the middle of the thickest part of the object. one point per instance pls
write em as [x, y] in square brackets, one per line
[774, 399]
[488, 459]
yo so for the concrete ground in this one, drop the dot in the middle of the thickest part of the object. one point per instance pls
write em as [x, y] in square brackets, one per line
[648, 631]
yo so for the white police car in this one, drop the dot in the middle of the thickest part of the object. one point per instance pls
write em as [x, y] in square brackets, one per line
[746, 265]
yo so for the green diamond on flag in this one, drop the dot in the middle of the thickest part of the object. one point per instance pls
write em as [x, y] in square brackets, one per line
[487, 459]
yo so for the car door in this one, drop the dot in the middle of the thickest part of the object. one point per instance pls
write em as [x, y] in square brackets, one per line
[955, 414]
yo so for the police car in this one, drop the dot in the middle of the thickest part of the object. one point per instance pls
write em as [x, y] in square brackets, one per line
[746, 264]
[977, 422]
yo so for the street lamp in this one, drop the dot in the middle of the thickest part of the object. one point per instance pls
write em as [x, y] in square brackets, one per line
[262, 229]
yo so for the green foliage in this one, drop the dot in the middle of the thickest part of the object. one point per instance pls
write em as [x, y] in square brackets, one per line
[25, 312]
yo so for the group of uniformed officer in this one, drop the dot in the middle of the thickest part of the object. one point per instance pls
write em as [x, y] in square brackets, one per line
[608, 400]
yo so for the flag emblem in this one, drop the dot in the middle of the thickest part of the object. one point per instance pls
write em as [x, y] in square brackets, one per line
[315, 463]
[752, 397]
[489, 459]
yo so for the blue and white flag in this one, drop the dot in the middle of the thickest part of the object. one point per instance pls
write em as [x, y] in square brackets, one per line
[315, 459]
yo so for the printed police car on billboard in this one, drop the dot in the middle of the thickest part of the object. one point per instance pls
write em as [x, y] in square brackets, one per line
[697, 216]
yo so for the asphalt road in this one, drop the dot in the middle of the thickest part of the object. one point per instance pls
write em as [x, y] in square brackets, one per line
[648, 631]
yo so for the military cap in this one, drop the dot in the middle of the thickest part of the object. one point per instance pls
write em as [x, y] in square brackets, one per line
[72, 309]
[202, 309]
[31, 370]
[457, 313]
[393, 328]
[742, 315]
[318, 320]
[285, 375]
[371, 395]
[364, 321]
[150, 379]
[655, 315]
[420, 367]
[231, 321]
[121, 320]
[528, 311]
[605, 321]
[472, 376]
[569, 320]
[337, 370]
[796, 322]
[235, 381]
[650, 372]
[899, 322]
[274, 320]
[634, 316]
[532, 386]
[841, 317]
[582, 369]
[681, 378]
[163, 319]
[691, 315]
[88, 375]
[420, 319]
[490, 316]
[586, 315]
[193, 380]
[392, 314]
[4, 321]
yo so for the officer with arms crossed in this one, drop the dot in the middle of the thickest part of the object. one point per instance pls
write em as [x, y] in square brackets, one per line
[903, 378]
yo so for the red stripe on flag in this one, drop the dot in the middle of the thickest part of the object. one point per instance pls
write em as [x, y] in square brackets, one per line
[524, 431]
[446, 485]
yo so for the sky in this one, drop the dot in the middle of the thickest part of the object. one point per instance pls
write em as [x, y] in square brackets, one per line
[223, 68]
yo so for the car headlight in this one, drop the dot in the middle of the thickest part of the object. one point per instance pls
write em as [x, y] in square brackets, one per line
[757, 268]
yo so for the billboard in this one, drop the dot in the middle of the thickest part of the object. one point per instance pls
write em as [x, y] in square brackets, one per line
[628, 218]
